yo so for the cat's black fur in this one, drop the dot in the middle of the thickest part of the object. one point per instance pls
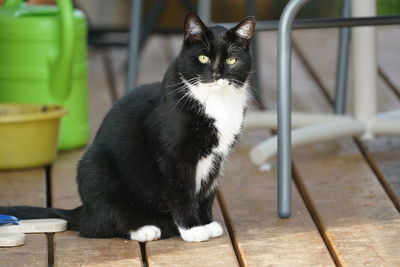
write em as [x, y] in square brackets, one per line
[141, 166]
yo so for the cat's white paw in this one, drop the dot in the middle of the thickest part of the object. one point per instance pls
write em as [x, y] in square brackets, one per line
[195, 234]
[145, 233]
[214, 229]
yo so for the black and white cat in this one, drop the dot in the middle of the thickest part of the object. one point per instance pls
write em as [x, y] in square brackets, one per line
[153, 168]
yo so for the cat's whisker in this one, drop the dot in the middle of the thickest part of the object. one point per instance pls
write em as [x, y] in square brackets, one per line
[249, 87]
[208, 43]
[183, 86]
[252, 98]
[201, 49]
[185, 95]
[207, 48]
[237, 82]
[180, 82]
[241, 50]
[234, 49]
[176, 90]
[194, 79]
[177, 102]
[230, 48]
[252, 88]
[172, 85]
[187, 100]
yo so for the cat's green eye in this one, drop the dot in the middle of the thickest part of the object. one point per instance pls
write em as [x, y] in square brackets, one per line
[231, 61]
[204, 59]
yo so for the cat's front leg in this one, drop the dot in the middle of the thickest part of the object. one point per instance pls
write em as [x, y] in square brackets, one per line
[205, 214]
[182, 200]
[185, 215]
[204, 228]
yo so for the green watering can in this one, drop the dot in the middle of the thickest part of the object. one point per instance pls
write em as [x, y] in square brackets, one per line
[43, 60]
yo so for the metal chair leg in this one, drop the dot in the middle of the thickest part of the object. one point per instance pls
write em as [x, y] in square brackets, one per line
[343, 61]
[151, 21]
[285, 106]
[134, 40]
[204, 11]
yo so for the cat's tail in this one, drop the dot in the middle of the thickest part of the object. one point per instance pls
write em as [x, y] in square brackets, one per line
[25, 212]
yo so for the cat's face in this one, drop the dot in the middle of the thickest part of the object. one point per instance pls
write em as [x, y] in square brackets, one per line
[215, 55]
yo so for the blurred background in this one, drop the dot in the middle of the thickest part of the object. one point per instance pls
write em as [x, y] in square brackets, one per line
[113, 17]
[104, 13]
[98, 54]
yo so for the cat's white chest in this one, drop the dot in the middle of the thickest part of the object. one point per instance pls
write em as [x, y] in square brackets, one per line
[225, 104]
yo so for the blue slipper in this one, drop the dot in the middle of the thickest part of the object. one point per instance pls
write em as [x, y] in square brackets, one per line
[6, 219]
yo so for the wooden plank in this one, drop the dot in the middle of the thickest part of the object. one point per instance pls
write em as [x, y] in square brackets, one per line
[63, 185]
[356, 214]
[23, 187]
[385, 152]
[77, 251]
[176, 252]
[33, 253]
[263, 238]
[26, 187]
[69, 248]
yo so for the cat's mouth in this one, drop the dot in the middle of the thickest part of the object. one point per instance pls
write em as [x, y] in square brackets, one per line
[220, 82]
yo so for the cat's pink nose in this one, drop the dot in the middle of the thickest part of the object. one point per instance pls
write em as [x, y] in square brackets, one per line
[216, 76]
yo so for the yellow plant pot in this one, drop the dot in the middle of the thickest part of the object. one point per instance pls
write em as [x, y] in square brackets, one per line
[28, 134]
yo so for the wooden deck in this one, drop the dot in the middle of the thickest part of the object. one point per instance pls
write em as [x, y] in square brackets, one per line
[346, 193]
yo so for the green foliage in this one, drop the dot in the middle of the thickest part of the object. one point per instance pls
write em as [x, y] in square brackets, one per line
[388, 7]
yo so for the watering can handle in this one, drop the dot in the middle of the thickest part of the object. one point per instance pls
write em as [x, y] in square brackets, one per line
[60, 67]
[61, 71]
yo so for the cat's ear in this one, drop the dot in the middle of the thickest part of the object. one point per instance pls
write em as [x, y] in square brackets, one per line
[194, 27]
[245, 29]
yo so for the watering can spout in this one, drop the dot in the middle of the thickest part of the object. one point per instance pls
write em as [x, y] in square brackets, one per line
[61, 67]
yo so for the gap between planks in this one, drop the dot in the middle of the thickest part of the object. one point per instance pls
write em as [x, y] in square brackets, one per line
[379, 174]
[389, 82]
[229, 227]
[49, 236]
[305, 195]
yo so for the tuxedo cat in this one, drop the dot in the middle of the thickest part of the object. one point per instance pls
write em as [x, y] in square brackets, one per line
[153, 168]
